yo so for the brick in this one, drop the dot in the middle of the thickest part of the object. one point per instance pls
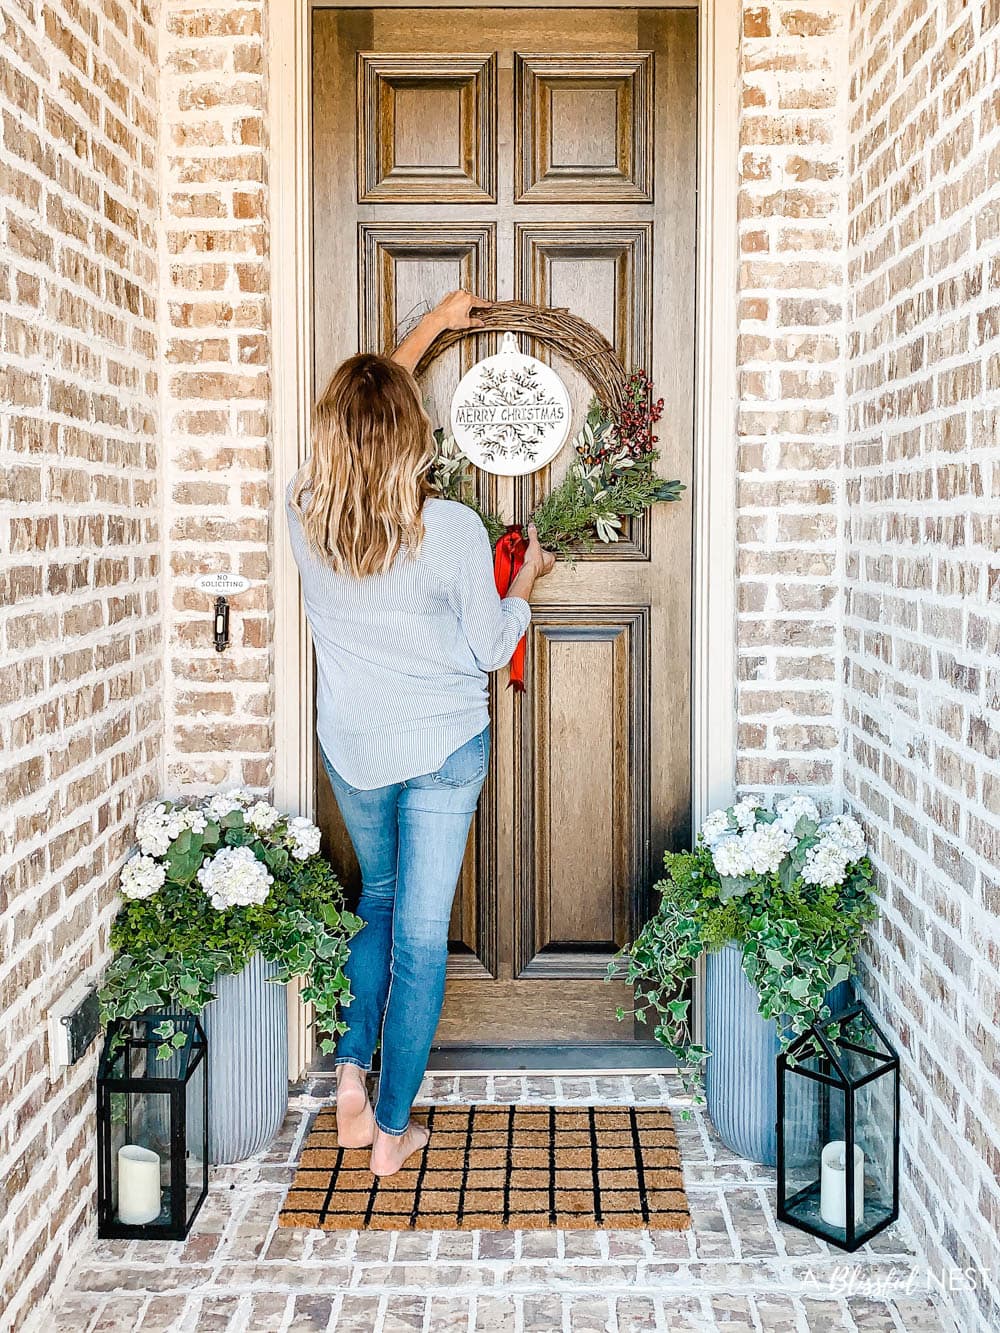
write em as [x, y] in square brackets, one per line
[78, 351]
[756, 22]
[810, 22]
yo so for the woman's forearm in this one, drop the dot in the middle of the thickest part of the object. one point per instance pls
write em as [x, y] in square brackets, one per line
[523, 582]
[453, 312]
[417, 341]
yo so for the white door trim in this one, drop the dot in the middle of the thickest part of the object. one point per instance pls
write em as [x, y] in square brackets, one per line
[714, 611]
[714, 489]
[289, 103]
[713, 648]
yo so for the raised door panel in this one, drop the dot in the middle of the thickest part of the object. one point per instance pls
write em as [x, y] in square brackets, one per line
[403, 267]
[403, 270]
[582, 858]
[402, 264]
[584, 127]
[601, 267]
[426, 128]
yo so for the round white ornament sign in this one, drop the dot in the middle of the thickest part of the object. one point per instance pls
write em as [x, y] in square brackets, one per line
[510, 414]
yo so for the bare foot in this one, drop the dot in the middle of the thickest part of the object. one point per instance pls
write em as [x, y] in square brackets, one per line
[390, 1151]
[355, 1117]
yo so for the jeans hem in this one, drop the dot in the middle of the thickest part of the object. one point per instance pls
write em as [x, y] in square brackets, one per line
[358, 1064]
[396, 1133]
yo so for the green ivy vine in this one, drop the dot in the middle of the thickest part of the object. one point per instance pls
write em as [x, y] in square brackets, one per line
[798, 942]
[169, 947]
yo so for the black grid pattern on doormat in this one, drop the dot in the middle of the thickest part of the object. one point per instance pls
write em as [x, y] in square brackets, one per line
[493, 1167]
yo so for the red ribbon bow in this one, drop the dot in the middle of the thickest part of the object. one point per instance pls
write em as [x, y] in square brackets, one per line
[507, 560]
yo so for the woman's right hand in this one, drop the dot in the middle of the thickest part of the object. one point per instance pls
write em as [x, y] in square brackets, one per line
[536, 564]
[542, 561]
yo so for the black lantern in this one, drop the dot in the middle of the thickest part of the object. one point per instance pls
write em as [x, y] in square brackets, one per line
[838, 1131]
[152, 1127]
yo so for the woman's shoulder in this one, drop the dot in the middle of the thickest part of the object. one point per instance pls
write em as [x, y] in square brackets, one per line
[451, 517]
[293, 483]
[452, 534]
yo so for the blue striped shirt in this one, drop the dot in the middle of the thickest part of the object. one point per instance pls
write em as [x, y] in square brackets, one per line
[402, 657]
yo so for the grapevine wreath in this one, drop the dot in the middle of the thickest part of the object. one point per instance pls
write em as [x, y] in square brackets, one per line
[613, 476]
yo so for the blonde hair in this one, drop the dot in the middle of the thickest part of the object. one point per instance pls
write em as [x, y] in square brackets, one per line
[367, 475]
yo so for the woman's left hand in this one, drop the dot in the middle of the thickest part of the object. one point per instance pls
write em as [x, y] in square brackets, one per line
[454, 312]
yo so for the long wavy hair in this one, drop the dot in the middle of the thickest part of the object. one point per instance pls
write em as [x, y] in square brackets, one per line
[366, 477]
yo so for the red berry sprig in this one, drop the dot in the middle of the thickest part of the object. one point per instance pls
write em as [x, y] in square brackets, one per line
[634, 426]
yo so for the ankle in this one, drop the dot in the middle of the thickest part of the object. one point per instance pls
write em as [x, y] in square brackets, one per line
[387, 1137]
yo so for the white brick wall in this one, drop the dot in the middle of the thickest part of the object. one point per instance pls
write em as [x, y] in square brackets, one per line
[868, 535]
[922, 617]
[80, 641]
[217, 391]
[791, 211]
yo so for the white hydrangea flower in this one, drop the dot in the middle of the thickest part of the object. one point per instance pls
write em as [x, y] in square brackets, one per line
[825, 864]
[792, 808]
[224, 803]
[767, 846]
[729, 856]
[189, 816]
[745, 811]
[715, 826]
[141, 877]
[234, 877]
[304, 837]
[263, 816]
[155, 828]
[848, 833]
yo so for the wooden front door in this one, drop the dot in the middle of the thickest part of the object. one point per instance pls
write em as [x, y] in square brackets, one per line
[546, 155]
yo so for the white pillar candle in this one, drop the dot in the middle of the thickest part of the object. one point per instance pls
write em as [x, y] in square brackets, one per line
[138, 1185]
[833, 1185]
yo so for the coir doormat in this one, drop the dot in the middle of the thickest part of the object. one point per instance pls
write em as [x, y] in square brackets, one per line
[497, 1167]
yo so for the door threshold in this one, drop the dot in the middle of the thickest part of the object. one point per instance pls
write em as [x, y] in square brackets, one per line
[595, 1058]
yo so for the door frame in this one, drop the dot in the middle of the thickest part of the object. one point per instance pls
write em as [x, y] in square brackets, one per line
[713, 639]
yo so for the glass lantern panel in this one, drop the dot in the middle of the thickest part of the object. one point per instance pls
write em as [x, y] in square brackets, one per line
[814, 1171]
[860, 1050]
[811, 1058]
[801, 1131]
[140, 1158]
[875, 1136]
[197, 1148]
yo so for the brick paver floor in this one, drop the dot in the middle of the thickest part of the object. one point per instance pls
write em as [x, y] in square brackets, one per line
[736, 1268]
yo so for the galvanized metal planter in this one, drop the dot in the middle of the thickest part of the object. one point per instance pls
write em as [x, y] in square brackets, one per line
[247, 1030]
[740, 1075]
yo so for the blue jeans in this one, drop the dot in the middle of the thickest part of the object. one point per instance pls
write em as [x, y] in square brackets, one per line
[410, 841]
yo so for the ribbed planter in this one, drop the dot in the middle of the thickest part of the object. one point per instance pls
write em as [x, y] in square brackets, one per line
[247, 1030]
[740, 1082]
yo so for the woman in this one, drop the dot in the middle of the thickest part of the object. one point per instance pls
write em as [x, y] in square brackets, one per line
[406, 620]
